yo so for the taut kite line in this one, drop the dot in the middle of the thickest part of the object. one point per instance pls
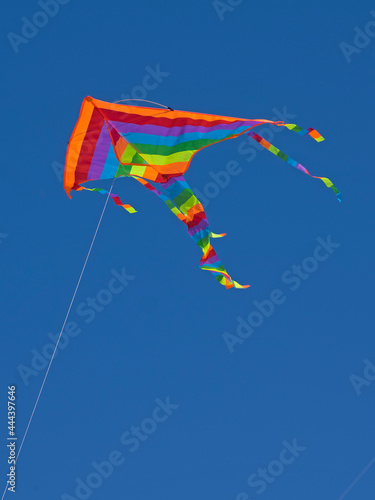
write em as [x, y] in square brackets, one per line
[157, 145]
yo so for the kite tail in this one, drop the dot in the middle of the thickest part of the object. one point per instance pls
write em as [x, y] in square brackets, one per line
[179, 191]
[300, 131]
[114, 197]
[181, 200]
[187, 208]
[166, 200]
[170, 204]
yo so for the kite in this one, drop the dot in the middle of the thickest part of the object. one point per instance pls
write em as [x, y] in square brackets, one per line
[112, 140]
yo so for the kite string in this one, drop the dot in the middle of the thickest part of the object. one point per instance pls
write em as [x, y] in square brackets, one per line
[62, 329]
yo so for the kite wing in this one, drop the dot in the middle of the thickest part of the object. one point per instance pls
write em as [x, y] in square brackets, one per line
[157, 145]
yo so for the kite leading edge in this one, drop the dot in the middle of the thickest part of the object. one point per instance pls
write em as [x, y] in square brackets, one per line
[157, 145]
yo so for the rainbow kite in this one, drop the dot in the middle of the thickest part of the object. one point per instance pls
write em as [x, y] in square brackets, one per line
[157, 145]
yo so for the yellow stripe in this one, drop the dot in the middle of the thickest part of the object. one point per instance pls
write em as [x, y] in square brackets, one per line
[165, 160]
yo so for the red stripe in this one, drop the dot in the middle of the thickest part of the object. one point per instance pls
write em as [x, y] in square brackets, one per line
[209, 254]
[196, 220]
[117, 200]
[164, 122]
[88, 146]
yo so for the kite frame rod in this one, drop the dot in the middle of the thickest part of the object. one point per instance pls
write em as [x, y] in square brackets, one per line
[144, 100]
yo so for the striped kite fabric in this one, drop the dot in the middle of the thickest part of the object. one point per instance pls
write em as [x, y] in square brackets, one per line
[157, 145]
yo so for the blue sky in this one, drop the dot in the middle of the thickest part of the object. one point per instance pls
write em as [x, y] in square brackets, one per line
[149, 380]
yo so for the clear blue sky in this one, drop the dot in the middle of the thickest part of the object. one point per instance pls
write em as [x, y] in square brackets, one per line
[163, 335]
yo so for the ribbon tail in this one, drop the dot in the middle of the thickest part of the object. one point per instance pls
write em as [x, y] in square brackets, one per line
[164, 198]
[214, 235]
[114, 197]
[292, 162]
[302, 131]
[180, 193]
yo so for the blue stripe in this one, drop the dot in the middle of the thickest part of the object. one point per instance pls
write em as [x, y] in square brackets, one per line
[160, 140]
[110, 166]
[200, 235]
[218, 263]
[291, 162]
[176, 188]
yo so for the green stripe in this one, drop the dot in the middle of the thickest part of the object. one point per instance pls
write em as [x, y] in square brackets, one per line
[282, 156]
[191, 202]
[172, 208]
[214, 269]
[296, 129]
[203, 242]
[163, 150]
[273, 150]
[123, 170]
[130, 170]
[130, 155]
[183, 197]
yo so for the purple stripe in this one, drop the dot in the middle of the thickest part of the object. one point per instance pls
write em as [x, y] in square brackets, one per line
[95, 172]
[125, 128]
[172, 180]
[302, 168]
[211, 260]
[199, 227]
[100, 154]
